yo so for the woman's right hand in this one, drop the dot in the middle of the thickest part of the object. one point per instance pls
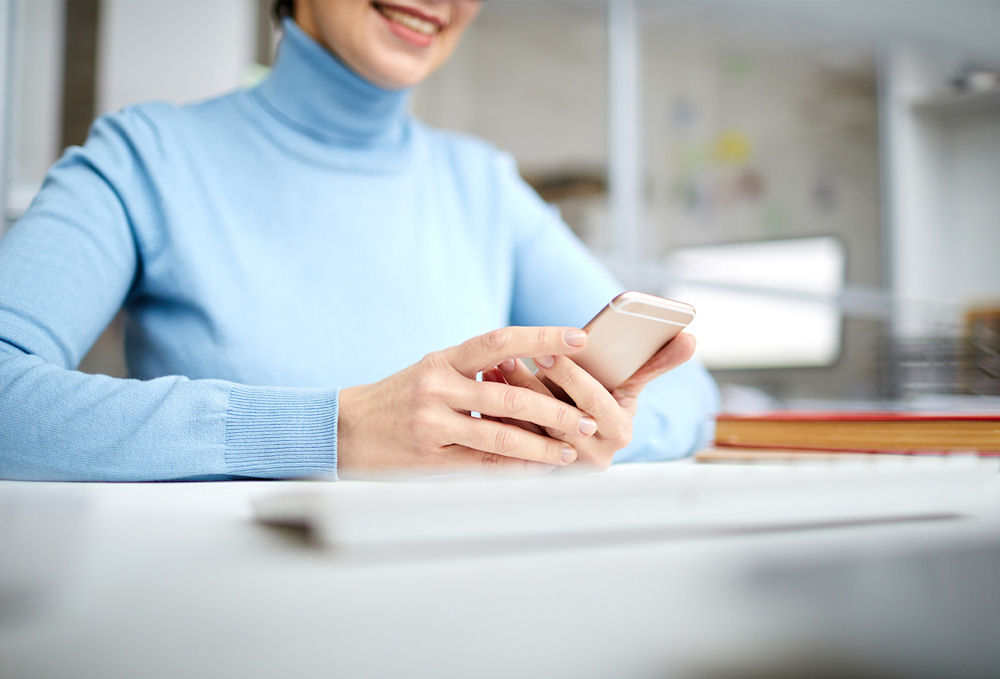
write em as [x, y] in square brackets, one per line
[418, 420]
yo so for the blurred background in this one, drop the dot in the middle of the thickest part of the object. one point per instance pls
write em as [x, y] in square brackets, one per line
[820, 178]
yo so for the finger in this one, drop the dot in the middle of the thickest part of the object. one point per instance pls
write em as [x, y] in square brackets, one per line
[516, 373]
[678, 351]
[508, 441]
[519, 403]
[496, 375]
[587, 393]
[528, 426]
[486, 351]
[462, 458]
[493, 376]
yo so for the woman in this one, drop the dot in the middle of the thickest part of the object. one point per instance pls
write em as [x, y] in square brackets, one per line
[309, 235]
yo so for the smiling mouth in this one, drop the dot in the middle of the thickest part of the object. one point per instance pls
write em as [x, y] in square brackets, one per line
[405, 17]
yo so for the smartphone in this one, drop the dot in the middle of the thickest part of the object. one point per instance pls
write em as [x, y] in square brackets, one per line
[628, 332]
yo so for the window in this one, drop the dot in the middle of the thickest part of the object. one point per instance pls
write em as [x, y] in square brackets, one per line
[769, 304]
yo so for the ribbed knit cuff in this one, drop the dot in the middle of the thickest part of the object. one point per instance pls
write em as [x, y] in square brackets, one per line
[281, 433]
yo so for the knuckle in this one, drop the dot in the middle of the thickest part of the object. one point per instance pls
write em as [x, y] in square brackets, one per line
[496, 340]
[564, 419]
[503, 439]
[566, 370]
[622, 438]
[433, 361]
[598, 407]
[490, 460]
[427, 388]
[546, 337]
[597, 411]
[513, 400]
[565, 373]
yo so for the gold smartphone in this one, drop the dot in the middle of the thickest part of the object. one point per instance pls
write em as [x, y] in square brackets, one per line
[628, 332]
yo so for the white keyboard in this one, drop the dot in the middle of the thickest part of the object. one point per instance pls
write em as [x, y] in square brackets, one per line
[628, 502]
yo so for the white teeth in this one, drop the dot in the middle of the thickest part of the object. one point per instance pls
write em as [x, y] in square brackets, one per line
[413, 23]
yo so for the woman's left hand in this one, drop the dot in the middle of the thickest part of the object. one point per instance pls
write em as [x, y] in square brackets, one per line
[612, 412]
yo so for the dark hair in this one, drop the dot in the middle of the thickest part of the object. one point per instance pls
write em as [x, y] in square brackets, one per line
[283, 8]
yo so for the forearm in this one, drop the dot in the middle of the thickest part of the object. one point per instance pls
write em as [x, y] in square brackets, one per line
[64, 425]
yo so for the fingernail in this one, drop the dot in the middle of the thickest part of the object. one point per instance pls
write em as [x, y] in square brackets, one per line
[587, 426]
[575, 338]
[507, 366]
[568, 454]
[546, 361]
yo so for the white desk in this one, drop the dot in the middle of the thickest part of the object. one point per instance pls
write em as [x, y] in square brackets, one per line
[168, 580]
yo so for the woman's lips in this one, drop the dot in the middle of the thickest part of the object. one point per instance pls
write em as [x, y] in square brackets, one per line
[414, 27]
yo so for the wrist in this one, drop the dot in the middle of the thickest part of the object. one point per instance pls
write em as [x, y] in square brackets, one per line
[350, 450]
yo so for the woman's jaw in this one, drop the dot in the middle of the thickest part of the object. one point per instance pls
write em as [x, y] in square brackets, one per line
[392, 44]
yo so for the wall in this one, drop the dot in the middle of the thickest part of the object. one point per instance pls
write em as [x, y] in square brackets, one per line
[762, 127]
[37, 97]
[176, 50]
[36, 81]
[972, 216]
[531, 78]
[6, 53]
[173, 50]
[944, 167]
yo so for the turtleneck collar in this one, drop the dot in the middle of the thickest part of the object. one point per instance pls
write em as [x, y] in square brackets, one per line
[314, 91]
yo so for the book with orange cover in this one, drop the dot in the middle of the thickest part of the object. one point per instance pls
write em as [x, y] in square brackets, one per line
[863, 432]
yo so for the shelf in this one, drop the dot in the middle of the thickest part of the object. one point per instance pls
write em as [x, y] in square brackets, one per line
[959, 103]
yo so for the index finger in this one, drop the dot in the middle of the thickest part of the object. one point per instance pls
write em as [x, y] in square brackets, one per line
[485, 351]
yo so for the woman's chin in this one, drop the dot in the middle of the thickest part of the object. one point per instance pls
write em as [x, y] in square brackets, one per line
[398, 72]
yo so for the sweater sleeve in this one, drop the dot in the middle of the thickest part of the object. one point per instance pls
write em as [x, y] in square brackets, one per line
[65, 269]
[558, 281]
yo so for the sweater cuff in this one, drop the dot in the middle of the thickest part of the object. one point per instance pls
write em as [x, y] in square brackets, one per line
[281, 433]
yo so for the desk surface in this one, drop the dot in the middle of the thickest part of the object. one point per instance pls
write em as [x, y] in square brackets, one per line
[106, 580]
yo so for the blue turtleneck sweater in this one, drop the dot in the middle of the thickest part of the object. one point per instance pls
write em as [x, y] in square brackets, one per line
[270, 246]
